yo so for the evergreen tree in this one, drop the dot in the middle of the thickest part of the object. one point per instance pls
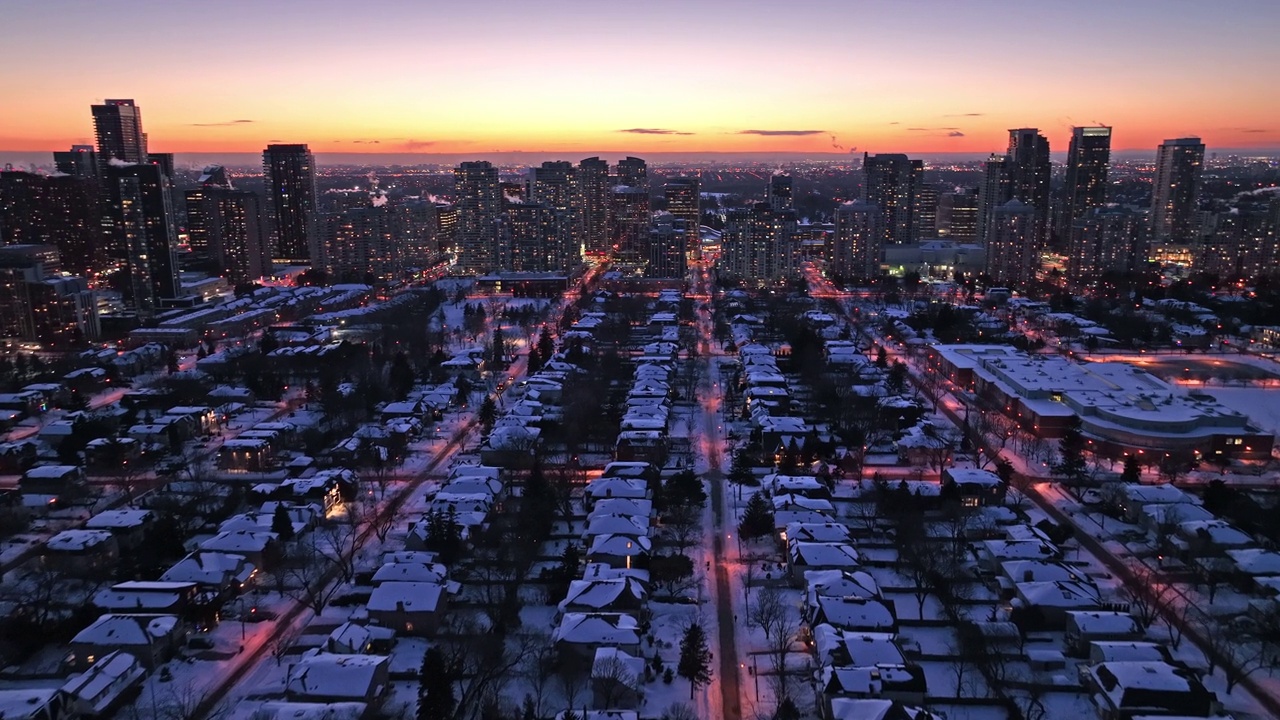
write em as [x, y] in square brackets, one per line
[1132, 470]
[740, 472]
[1072, 465]
[882, 358]
[897, 380]
[282, 524]
[695, 658]
[401, 376]
[435, 692]
[488, 413]
[546, 346]
[757, 519]
[499, 350]
[684, 488]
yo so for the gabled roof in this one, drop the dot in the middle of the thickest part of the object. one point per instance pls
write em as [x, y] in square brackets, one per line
[597, 629]
[114, 630]
[333, 675]
[604, 594]
[406, 597]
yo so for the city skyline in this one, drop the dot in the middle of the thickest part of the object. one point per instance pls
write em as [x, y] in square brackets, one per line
[408, 79]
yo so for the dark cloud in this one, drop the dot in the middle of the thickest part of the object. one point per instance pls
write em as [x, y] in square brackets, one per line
[653, 131]
[773, 133]
[1255, 131]
[412, 144]
[924, 129]
[221, 124]
[895, 122]
[955, 133]
[919, 129]
[366, 142]
[965, 115]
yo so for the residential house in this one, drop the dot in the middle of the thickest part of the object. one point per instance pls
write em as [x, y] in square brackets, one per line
[129, 526]
[579, 634]
[152, 639]
[82, 553]
[145, 596]
[621, 595]
[35, 703]
[331, 678]
[853, 613]
[972, 487]
[224, 574]
[1045, 605]
[904, 683]
[1086, 627]
[410, 608]
[104, 686]
[1124, 690]
[258, 547]
[617, 679]
[806, 556]
[620, 550]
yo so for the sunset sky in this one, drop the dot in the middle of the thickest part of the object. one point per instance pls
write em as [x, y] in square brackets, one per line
[659, 75]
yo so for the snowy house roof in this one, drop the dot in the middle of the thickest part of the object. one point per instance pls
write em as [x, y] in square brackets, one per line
[873, 680]
[333, 675]
[239, 541]
[851, 648]
[840, 583]
[608, 657]
[1019, 549]
[406, 597]
[616, 487]
[789, 501]
[78, 540]
[597, 629]
[1040, 571]
[875, 709]
[26, 703]
[854, 613]
[285, 710]
[99, 686]
[1159, 494]
[1154, 685]
[127, 630]
[629, 507]
[600, 524]
[620, 545]
[817, 532]
[603, 594]
[1060, 594]
[822, 555]
[1102, 622]
[1255, 561]
[435, 573]
[1218, 532]
[210, 568]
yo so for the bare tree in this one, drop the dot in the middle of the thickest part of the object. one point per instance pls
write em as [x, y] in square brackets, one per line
[538, 668]
[1234, 646]
[379, 518]
[611, 680]
[779, 621]
[683, 525]
[311, 571]
[484, 663]
[1139, 593]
